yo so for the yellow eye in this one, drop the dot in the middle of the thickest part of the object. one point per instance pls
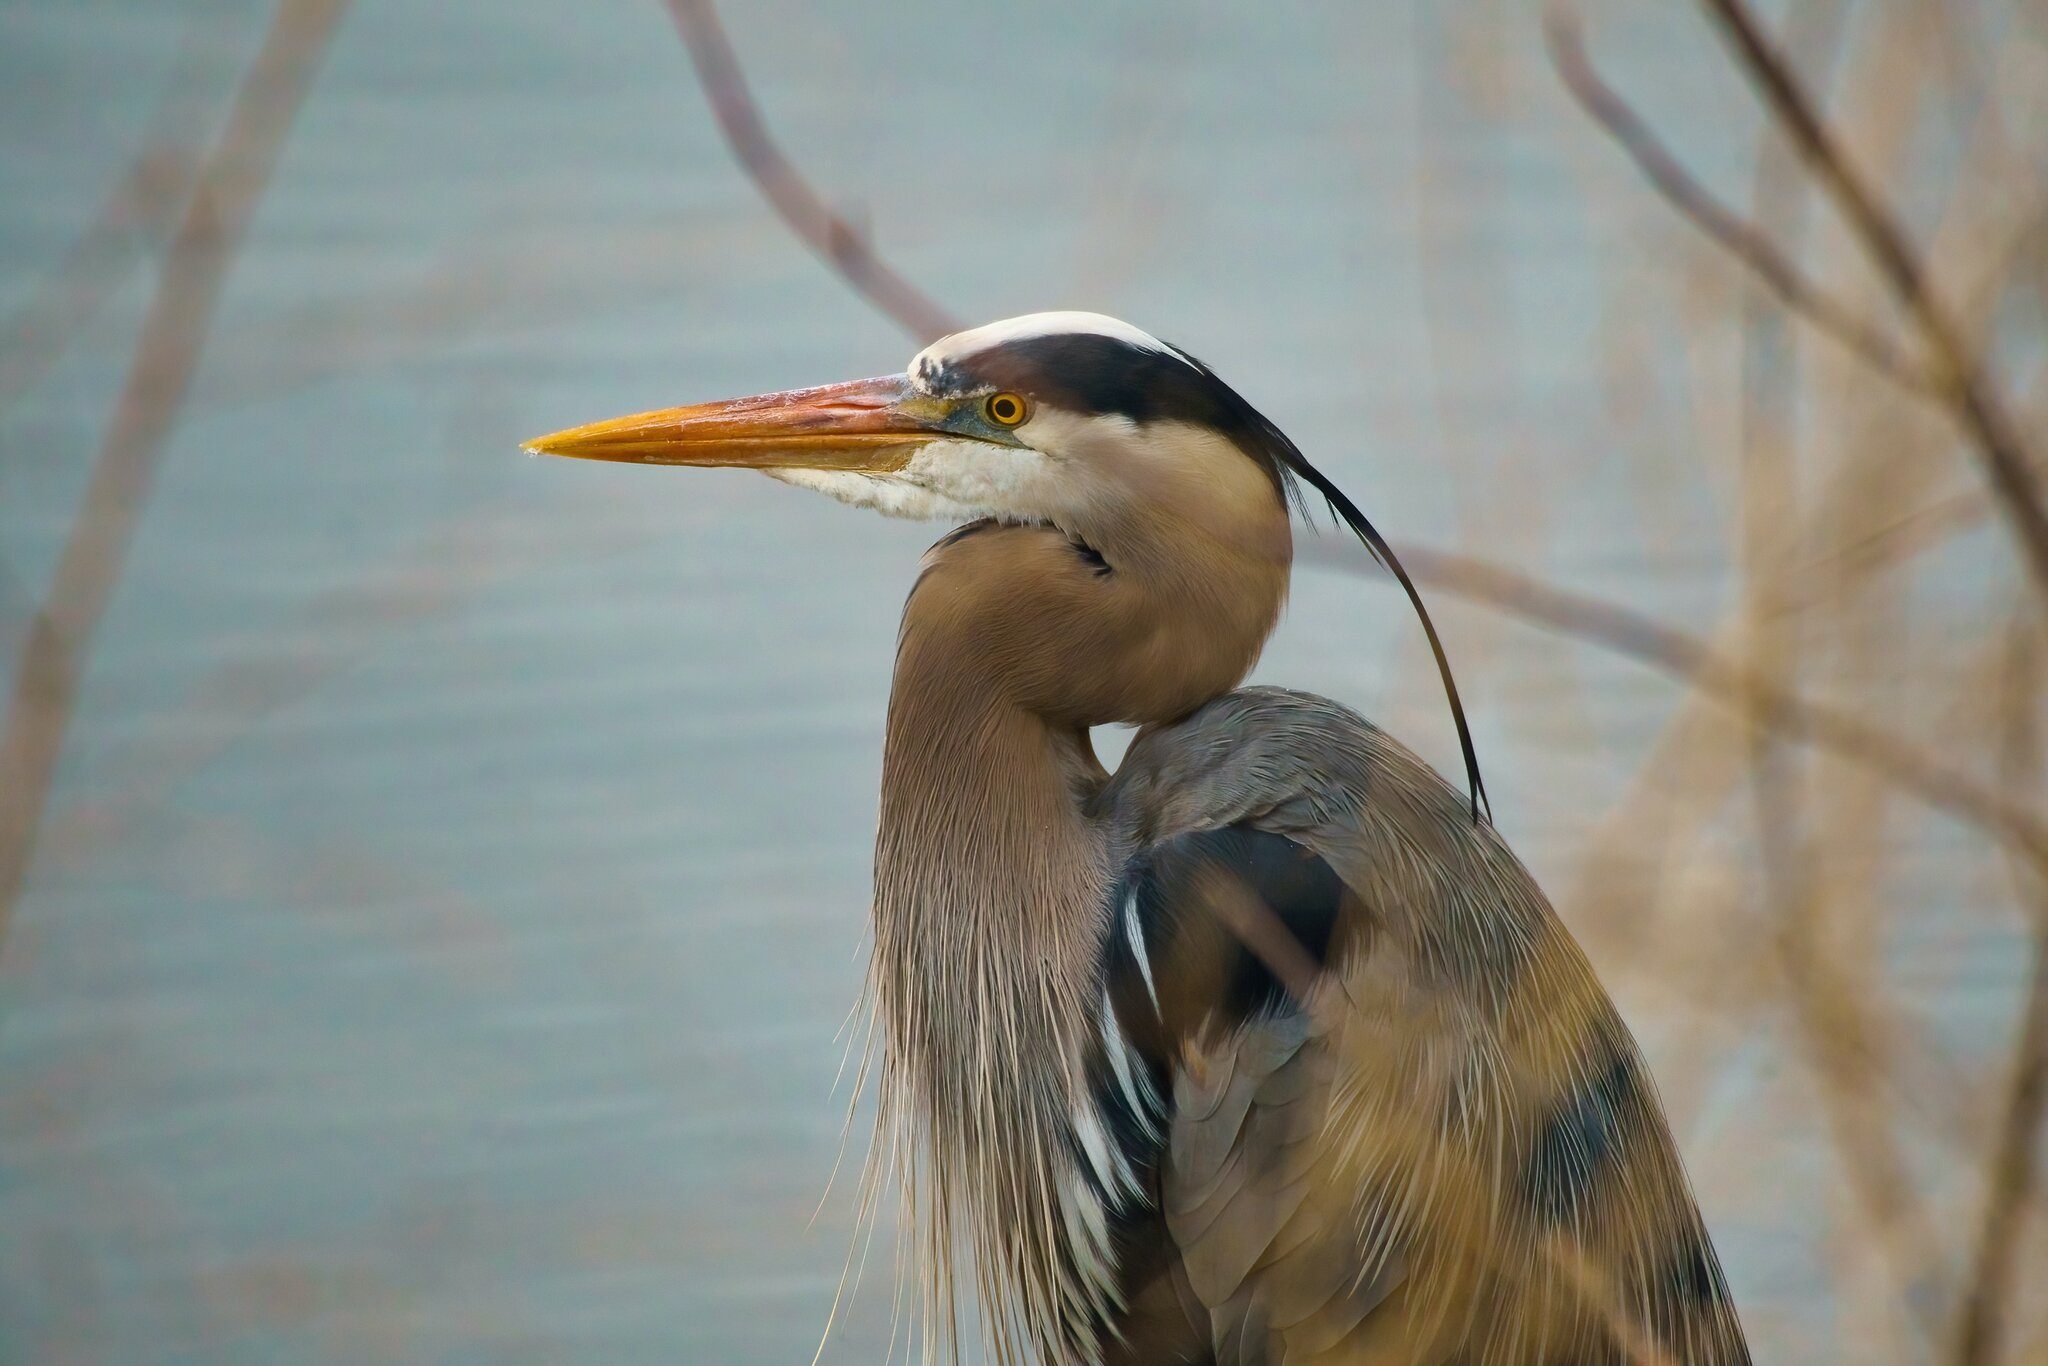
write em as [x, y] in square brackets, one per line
[1004, 409]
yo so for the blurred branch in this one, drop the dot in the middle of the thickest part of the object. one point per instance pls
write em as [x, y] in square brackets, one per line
[140, 204]
[1839, 1021]
[1969, 396]
[838, 243]
[2015, 1162]
[174, 331]
[137, 211]
[337, 629]
[1690, 660]
[17, 609]
[1921, 529]
[1740, 238]
[1931, 525]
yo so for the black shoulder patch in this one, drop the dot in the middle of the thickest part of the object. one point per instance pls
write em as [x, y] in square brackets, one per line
[1187, 941]
[1583, 1135]
[1170, 965]
[1687, 1302]
[1693, 1275]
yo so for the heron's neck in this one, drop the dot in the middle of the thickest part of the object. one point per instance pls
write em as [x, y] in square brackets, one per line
[989, 880]
[992, 884]
[983, 851]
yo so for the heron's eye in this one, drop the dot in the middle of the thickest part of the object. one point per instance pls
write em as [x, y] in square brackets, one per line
[1005, 409]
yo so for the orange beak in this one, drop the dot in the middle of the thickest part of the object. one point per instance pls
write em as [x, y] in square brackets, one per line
[868, 425]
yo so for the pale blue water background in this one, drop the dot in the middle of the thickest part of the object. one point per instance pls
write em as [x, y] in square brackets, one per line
[456, 879]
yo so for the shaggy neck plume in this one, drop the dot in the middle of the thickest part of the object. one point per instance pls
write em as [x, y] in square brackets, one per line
[991, 890]
[979, 980]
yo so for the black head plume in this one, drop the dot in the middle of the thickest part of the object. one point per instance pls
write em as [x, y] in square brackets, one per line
[1256, 434]
[1342, 507]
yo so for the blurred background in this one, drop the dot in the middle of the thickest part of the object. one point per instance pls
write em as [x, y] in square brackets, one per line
[433, 882]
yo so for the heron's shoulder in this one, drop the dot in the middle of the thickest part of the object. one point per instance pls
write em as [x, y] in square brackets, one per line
[1271, 727]
[1280, 759]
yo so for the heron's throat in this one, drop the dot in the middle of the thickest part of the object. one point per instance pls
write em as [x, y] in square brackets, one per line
[1014, 642]
[984, 855]
[988, 883]
[992, 882]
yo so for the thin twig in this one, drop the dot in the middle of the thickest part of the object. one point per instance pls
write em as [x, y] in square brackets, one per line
[2015, 1162]
[838, 243]
[1740, 238]
[174, 331]
[1971, 399]
[140, 204]
[138, 211]
[2014, 1177]
[1690, 660]
[1931, 525]
[462, 558]
[1838, 1019]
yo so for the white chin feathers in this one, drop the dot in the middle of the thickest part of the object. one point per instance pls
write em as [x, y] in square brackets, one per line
[954, 481]
[885, 493]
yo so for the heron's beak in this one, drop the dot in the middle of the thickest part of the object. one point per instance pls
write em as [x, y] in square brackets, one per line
[867, 425]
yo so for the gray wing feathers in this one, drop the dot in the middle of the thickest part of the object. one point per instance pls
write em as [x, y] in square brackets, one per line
[1276, 1266]
[1398, 1171]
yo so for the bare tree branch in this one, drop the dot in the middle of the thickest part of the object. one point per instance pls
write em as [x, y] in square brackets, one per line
[1838, 1016]
[802, 209]
[1970, 397]
[2015, 1160]
[138, 211]
[140, 204]
[1691, 660]
[1926, 527]
[174, 331]
[1740, 238]
[2014, 1174]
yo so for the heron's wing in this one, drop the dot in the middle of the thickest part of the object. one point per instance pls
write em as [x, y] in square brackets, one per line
[1382, 1110]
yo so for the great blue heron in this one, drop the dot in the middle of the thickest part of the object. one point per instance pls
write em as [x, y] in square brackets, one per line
[1264, 1048]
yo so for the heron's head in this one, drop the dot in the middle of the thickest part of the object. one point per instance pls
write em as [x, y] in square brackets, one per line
[1075, 422]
